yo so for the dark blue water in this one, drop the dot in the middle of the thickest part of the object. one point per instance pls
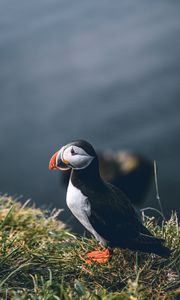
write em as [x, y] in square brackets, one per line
[105, 71]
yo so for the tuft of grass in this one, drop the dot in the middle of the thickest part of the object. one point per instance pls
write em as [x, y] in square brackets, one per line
[41, 260]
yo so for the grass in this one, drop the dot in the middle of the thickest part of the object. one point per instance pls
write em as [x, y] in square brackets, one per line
[41, 260]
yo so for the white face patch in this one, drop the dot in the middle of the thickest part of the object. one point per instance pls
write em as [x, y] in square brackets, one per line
[76, 156]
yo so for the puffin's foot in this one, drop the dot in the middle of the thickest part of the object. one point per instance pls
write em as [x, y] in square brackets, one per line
[101, 257]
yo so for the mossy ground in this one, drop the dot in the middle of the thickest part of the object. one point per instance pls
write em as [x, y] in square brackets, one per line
[40, 259]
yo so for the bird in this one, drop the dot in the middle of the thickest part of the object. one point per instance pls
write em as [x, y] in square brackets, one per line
[128, 170]
[102, 208]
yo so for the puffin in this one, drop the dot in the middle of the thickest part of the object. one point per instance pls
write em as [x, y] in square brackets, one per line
[102, 208]
[130, 171]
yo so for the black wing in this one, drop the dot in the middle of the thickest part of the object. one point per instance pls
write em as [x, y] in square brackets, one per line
[114, 217]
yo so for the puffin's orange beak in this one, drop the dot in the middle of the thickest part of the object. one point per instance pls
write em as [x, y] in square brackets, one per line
[56, 163]
[52, 162]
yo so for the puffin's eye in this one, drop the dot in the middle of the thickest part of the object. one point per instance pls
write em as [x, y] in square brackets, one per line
[72, 151]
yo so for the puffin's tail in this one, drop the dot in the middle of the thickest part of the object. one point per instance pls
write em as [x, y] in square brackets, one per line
[151, 244]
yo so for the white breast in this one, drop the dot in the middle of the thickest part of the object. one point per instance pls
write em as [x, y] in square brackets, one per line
[81, 209]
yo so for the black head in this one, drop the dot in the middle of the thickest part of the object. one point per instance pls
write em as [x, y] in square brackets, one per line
[87, 147]
[77, 155]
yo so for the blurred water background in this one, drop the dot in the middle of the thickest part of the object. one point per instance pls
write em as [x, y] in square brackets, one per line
[105, 71]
